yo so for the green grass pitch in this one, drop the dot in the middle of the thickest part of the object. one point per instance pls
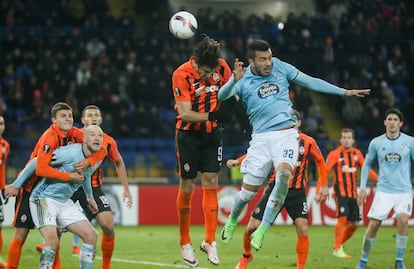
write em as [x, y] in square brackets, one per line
[152, 247]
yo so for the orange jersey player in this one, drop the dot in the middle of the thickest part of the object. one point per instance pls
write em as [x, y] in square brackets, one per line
[198, 138]
[295, 202]
[344, 162]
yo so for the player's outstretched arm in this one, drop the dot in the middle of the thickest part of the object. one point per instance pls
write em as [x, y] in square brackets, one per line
[358, 93]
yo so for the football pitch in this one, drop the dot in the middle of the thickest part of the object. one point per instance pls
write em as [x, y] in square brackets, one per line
[156, 247]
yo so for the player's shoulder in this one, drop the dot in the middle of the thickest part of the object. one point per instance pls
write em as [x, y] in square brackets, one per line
[108, 139]
[184, 69]
[307, 138]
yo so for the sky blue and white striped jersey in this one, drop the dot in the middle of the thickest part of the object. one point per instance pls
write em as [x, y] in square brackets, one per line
[394, 158]
[64, 159]
[266, 98]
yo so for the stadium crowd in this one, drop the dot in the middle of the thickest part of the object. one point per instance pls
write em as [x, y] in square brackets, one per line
[78, 52]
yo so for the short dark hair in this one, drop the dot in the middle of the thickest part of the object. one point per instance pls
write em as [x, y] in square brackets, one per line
[395, 111]
[89, 107]
[348, 130]
[256, 45]
[206, 53]
[58, 107]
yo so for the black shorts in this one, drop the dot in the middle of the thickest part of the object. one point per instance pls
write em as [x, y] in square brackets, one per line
[98, 195]
[22, 216]
[198, 152]
[348, 207]
[295, 203]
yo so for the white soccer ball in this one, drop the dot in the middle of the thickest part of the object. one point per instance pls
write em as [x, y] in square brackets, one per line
[183, 25]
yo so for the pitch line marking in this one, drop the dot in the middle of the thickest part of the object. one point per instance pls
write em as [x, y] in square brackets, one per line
[151, 263]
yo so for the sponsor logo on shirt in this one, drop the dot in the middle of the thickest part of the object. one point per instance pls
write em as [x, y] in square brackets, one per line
[268, 89]
[392, 157]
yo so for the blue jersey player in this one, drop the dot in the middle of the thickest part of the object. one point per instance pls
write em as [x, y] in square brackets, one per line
[394, 152]
[263, 87]
[52, 208]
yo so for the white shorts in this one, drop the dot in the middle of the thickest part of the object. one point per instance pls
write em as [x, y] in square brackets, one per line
[268, 150]
[383, 202]
[49, 212]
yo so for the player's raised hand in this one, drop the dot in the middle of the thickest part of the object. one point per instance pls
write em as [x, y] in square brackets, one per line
[358, 93]
[238, 70]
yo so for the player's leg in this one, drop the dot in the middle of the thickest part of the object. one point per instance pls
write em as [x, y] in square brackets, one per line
[210, 161]
[297, 208]
[284, 153]
[380, 208]
[75, 244]
[89, 237]
[23, 223]
[105, 220]
[258, 169]
[254, 222]
[343, 213]
[403, 209]
[187, 152]
[75, 221]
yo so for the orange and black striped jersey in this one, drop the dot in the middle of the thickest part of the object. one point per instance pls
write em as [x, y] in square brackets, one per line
[189, 87]
[345, 164]
[112, 148]
[299, 177]
[4, 153]
[307, 147]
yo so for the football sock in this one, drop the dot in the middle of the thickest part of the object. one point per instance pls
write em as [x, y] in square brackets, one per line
[276, 198]
[210, 208]
[87, 256]
[56, 263]
[339, 232]
[401, 244]
[239, 203]
[302, 249]
[247, 249]
[14, 252]
[47, 258]
[349, 232]
[367, 244]
[107, 246]
[183, 210]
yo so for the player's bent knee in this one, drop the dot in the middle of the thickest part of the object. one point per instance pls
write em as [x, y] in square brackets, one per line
[246, 195]
[284, 176]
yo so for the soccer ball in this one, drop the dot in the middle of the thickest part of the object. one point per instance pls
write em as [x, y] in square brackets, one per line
[183, 25]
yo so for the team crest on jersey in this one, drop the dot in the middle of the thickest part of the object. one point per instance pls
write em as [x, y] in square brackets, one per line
[355, 157]
[177, 91]
[268, 89]
[23, 218]
[393, 157]
[46, 148]
[216, 77]
[187, 167]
